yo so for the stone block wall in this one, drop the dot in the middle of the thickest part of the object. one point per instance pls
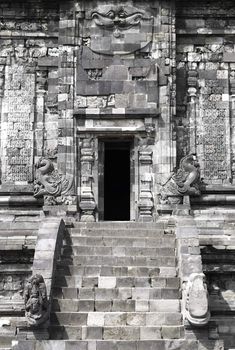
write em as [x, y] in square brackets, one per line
[29, 89]
[205, 126]
[58, 87]
[205, 63]
[41, 87]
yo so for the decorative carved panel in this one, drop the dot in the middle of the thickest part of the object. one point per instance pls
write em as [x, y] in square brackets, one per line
[119, 29]
[17, 135]
[87, 202]
[145, 184]
[115, 59]
[214, 144]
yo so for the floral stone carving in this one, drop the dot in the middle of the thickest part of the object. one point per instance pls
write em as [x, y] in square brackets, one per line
[185, 182]
[49, 183]
[197, 305]
[36, 303]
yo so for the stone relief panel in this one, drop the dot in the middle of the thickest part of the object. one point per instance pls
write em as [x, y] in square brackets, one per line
[33, 19]
[119, 29]
[232, 114]
[115, 59]
[28, 47]
[12, 286]
[214, 144]
[15, 270]
[204, 123]
[17, 135]
[213, 140]
[32, 65]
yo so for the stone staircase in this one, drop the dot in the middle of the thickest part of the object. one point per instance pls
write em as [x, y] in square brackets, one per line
[116, 288]
[117, 283]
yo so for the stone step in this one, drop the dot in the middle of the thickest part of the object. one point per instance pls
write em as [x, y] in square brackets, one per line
[136, 293]
[19, 225]
[10, 305]
[120, 225]
[11, 234]
[17, 242]
[117, 251]
[164, 242]
[115, 305]
[113, 319]
[116, 333]
[167, 344]
[118, 233]
[65, 268]
[84, 260]
[106, 270]
[115, 282]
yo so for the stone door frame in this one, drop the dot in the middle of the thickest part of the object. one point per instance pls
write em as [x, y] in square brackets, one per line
[92, 184]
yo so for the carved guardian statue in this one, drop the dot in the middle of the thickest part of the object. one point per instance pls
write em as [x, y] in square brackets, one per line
[185, 182]
[48, 182]
[36, 303]
[197, 305]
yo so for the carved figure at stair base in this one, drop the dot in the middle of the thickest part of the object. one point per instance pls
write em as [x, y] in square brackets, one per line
[197, 304]
[48, 182]
[185, 182]
[36, 303]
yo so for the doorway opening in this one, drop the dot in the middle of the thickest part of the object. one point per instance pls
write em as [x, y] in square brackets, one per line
[116, 180]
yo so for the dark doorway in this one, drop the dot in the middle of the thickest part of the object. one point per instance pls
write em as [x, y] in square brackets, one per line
[117, 181]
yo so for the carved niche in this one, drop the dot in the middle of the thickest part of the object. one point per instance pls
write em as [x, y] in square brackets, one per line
[115, 57]
[36, 303]
[185, 182]
[50, 184]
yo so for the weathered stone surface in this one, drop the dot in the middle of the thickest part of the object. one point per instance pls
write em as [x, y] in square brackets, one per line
[160, 77]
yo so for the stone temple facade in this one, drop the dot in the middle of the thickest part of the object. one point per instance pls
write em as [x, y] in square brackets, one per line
[117, 175]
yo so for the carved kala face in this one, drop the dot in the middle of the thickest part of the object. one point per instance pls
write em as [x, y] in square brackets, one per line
[117, 20]
[119, 29]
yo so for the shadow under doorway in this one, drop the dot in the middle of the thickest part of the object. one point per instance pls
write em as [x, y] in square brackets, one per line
[117, 180]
